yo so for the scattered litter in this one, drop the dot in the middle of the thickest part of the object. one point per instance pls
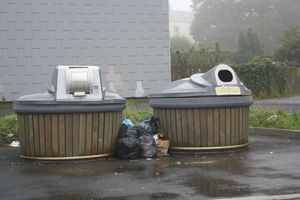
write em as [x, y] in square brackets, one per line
[272, 117]
[10, 135]
[178, 163]
[271, 152]
[155, 137]
[148, 158]
[15, 144]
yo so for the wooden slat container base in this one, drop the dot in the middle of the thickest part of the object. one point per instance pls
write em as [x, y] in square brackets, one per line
[202, 129]
[65, 136]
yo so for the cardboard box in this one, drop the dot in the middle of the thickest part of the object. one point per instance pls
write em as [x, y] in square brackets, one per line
[162, 147]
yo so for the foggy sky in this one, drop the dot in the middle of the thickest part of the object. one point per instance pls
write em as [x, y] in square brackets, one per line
[181, 5]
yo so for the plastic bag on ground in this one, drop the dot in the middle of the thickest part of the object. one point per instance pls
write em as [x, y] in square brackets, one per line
[128, 146]
[148, 147]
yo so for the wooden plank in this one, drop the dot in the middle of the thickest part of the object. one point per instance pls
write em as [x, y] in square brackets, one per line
[197, 128]
[179, 138]
[247, 124]
[54, 134]
[241, 138]
[173, 131]
[101, 133]
[26, 135]
[119, 121]
[216, 114]
[228, 126]
[36, 135]
[89, 132]
[82, 133]
[203, 124]
[161, 120]
[42, 135]
[237, 126]
[48, 138]
[210, 127]
[62, 135]
[69, 131]
[21, 133]
[115, 128]
[162, 123]
[30, 134]
[168, 129]
[190, 128]
[185, 139]
[75, 134]
[111, 131]
[222, 127]
[107, 136]
[95, 134]
[242, 125]
[233, 127]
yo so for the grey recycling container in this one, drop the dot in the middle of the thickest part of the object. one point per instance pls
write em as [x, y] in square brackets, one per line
[205, 112]
[75, 119]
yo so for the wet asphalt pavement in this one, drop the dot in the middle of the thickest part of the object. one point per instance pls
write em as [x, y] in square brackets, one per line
[269, 166]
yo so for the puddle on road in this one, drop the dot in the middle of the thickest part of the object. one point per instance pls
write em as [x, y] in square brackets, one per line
[213, 187]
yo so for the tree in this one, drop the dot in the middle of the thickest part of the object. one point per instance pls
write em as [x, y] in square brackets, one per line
[289, 50]
[221, 21]
[248, 46]
[180, 42]
[254, 45]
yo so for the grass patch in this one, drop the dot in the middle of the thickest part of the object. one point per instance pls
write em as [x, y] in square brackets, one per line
[6, 106]
[8, 126]
[268, 118]
[136, 115]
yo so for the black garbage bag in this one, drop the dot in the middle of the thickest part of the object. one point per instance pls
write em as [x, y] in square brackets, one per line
[148, 147]
[127, 131]
[149, 126]
[128, 146]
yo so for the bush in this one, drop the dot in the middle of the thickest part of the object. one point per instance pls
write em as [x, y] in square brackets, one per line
[180, 42]
[263, 76]
[274, 119]
[8, 126]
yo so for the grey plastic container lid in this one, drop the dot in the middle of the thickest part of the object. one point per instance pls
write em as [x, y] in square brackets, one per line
[60, 99]
[219, 87]
[46, 103]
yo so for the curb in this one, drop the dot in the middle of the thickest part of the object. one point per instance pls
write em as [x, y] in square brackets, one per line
[274, 132]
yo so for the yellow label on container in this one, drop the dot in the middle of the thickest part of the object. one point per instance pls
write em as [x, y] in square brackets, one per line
[228, 90]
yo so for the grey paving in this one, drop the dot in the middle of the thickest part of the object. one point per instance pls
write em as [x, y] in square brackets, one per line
[288, 104]
[269, 167]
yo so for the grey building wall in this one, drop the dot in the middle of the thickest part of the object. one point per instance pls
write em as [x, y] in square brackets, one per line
[129, 39]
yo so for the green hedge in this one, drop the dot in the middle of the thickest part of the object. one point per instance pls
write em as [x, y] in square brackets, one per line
[263, 76]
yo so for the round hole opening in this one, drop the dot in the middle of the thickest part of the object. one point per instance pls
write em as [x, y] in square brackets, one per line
[225, 76]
